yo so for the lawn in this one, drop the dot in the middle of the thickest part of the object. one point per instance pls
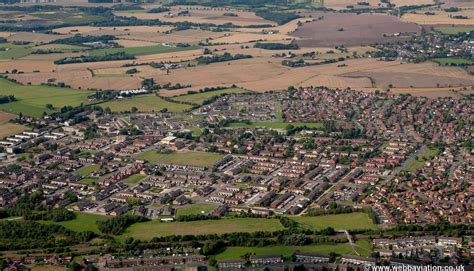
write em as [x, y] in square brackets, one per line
[196, 209]
[145, 103]
[352, 221]
[425, 154]
[455, 61]
[84, 171]
[133, 179]
[191, 158]
[199, 98]
[150, 229]
[451, 30]
[82, 222]
[89, 181]
[274, 125]
[7, 128]
[143, 50]
[235, 253]
[32, 100]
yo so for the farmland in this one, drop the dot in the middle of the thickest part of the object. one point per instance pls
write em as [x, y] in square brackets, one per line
[32, 100]
[453, 61]
[192, 158]
[154, 228]
[7, 128]
[142, 50]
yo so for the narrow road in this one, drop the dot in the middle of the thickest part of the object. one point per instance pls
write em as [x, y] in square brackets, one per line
[349, 238]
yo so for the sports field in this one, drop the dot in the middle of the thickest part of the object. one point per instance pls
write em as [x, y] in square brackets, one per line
[190, 158]
[195, 209]
[235, 253]
[145, 103]
[199, 98]
[352, 221]
[150, 229]
[82, 222]
[142, 50]
[32, 100]
[274, 125]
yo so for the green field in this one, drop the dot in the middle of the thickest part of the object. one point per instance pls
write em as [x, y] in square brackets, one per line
[145, 103]
[196, 209]
[453, 61]
[352, 221]
[190, 158]
[143, 50]
[235, 253]
[274, 125]
[32, 100]
[84, 171]
[426, 154]
[14, 51]
[199, 98]
[89, 181]
[150, 229]
[451, 30]
[82, 222]
[133, 179]
[69, 16]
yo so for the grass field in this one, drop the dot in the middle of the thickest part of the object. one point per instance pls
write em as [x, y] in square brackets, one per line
[87, 170]
[13, 51]
[32, 100]
[145, 103]
[82, 222]
[69, 16]
[352, 221]
[143, 50]
[133, 179]
[150, 229]
[196, 209]
[191, 158]
[416, 164]
[89, 181]
[62, 47]
[274, 125]
[199, 98]
[453, 61]
[7, 128]
[235, 253]
[451, 30]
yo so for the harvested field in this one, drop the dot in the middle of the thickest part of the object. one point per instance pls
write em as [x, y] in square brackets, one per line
[34, 37]
[458, 3]
[337, 82]
[441, 18]
[351, 29]
[454, 92]
[26, 65]
[7, 128]
[118, 30]
[251, 37]
[199, 14]
[342, 4]
[400, 3]
[192, 36]
[424, 75]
